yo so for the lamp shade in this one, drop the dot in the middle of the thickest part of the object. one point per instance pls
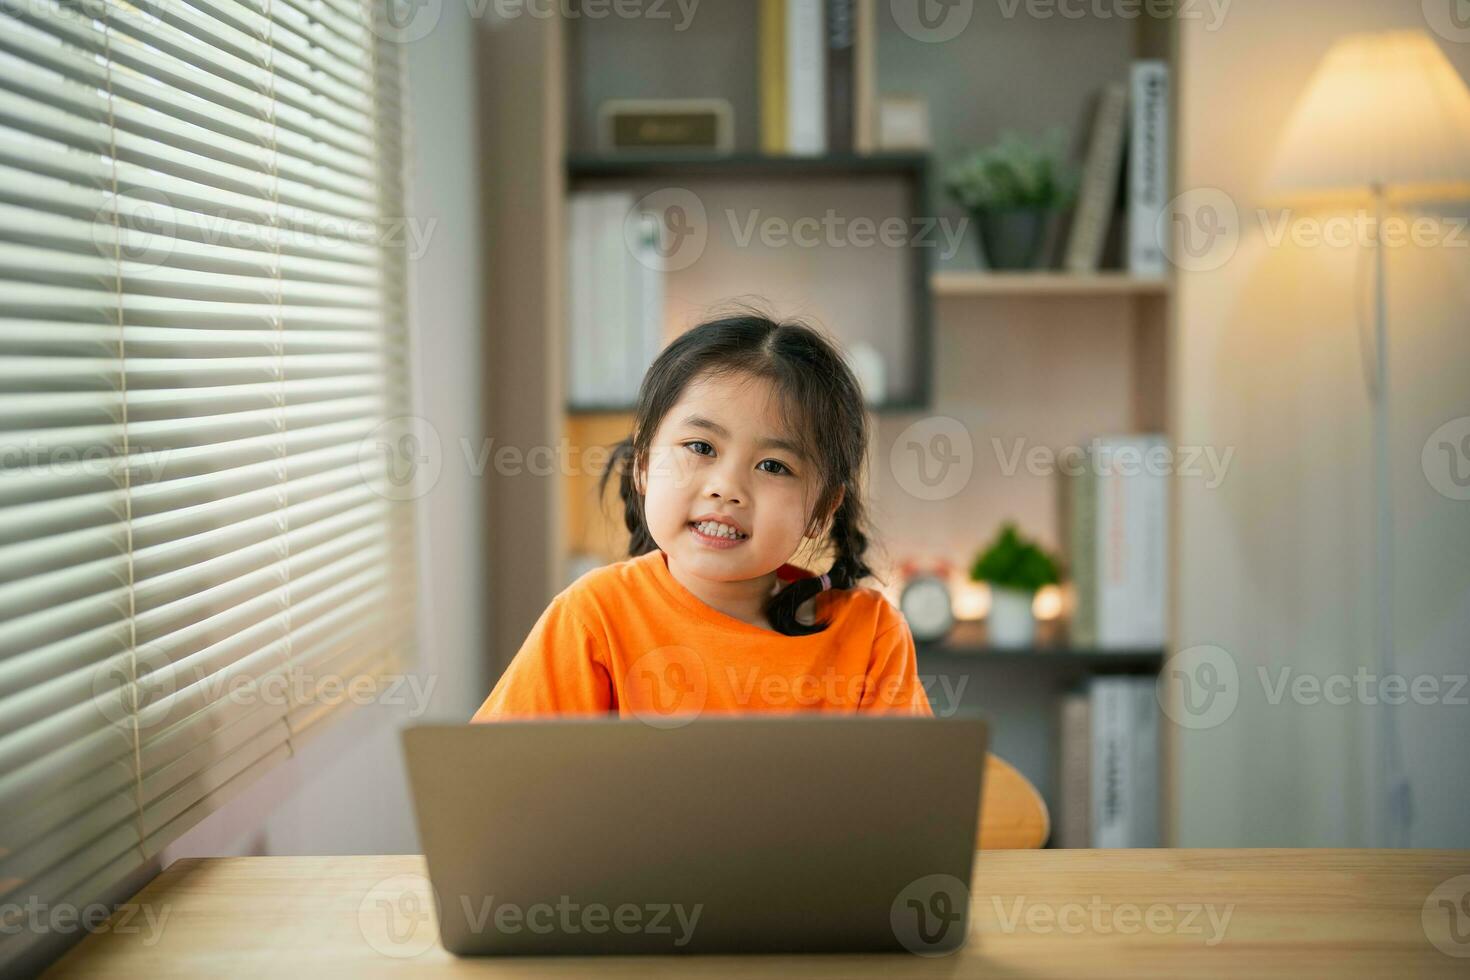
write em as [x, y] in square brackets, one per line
[1381, 109]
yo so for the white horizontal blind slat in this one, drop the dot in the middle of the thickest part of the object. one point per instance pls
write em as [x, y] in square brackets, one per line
[201, 339]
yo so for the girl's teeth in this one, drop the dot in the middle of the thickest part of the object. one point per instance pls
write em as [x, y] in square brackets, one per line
[717, 530]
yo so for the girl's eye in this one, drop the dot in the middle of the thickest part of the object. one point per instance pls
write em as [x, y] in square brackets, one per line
[783, 468]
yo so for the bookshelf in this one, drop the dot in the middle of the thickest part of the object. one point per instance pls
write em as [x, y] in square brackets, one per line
[881, 184]
[949, 656]
[967, 645]
[584, 166]
[1047, 356]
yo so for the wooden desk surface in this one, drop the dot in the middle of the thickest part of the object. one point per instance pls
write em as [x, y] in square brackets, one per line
[1156, 913]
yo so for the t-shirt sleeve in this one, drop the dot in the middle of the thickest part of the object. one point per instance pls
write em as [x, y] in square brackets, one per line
[560, 669]
[893, 685]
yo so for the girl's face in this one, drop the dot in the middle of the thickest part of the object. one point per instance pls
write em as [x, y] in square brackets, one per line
[725, 449]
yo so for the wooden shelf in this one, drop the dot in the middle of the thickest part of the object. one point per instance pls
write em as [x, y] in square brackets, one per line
[967, 645]
[885, 408]
[906, 174]
[941, 655]
[1044, 283]
[607, 409]
[635, 165]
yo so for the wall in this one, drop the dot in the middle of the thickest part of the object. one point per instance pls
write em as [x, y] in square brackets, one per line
[1276, 564]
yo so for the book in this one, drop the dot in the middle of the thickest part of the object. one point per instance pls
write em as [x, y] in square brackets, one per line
[772, 17]
[1130, 546]
[841, 97]
[865, 96]
[646, 305]
[1081, 538]
[1115, 529]
[1124, 759]
[1148, 167]
[1074, 770]
[614, 297]
[806, 96]
[581, 366]
[1111, 777]
[1151, 524]
[1095, 203]
[1144, 829]
[611, 324]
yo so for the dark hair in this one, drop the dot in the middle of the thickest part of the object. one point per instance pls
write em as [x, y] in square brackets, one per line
[818, 390]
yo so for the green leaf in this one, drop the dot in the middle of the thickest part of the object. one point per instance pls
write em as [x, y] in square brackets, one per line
[1015, 172]
[1014, 562]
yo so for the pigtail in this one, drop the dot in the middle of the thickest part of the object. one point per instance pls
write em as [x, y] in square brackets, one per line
[624, 461]
[849, 567]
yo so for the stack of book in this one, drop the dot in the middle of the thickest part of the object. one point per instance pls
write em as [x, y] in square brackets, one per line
[816, 76]
[1115, 520]
[615, 298]
[1108, 765]
[1131, 127]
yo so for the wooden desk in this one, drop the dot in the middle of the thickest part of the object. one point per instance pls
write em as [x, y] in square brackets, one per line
[1217, 913]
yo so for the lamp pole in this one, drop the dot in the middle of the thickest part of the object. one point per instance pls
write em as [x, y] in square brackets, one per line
[1393, 797]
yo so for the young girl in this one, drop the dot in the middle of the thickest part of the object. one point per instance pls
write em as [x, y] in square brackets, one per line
[747, 445]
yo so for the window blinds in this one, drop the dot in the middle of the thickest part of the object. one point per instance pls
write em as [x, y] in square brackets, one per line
[202, 355]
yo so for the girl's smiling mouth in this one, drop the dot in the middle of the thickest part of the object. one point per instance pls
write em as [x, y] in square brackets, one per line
[714, 535]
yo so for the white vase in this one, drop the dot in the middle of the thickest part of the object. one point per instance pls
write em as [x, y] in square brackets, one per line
[1010, 623]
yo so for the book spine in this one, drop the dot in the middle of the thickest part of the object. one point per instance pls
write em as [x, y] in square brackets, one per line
[865, 68]
[576, 361]
[1074, 771]
[1132, 548]
[1114, 549]
[1145, 764]
[1099, 182]
[653, 296]
[1148, 167]
[773, 76]
[1152, 527]
[611, 315]
[806, 119]
[840, 94]
[584, 339]
[1083, 536]
[630, 355]
[1112, 790]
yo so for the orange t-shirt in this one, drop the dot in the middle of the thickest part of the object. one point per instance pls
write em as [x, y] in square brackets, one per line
[629, 638]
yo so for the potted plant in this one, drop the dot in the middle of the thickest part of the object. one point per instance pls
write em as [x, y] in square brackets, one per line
[1013, 189]
[1015, 568]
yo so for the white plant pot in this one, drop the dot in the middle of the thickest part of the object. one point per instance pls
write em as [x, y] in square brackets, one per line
[1011, 623]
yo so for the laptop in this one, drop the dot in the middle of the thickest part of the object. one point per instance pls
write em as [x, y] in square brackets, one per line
[752, 833]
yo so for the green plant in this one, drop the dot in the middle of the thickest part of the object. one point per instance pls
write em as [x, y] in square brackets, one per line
[1015, 172]
[1014, 562]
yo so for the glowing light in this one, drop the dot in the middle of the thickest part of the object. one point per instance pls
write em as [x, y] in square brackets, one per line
[1048, 603]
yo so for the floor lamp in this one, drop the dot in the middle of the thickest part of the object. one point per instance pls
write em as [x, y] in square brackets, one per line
[1386, 119]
